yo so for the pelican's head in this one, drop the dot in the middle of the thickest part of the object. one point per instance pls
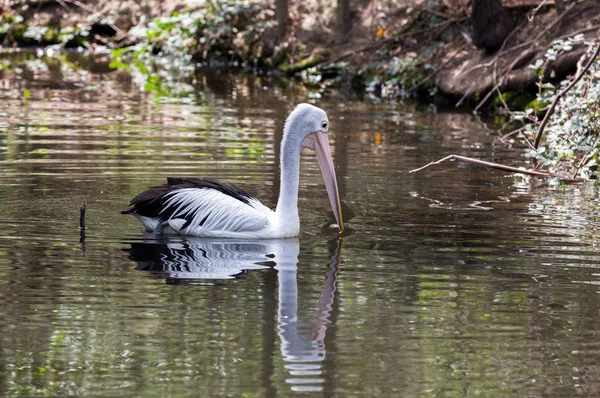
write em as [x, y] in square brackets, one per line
[308, 126]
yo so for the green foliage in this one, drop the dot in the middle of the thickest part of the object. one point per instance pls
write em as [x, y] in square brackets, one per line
[322, 79]
[14, 29]
[167, 49]
[395, 77]
[225, 30]
[572, 135]
[74, 37]
[167, 80]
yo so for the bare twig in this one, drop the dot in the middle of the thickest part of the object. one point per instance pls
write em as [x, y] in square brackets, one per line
[501, 53]
[494, 61]
[95, 15]
[360, 49]
[63, 5]
[487, 96]
[530, 146]
[535, 41]
[576, 32]
[535, 10]
[503, 102]
[516, 131]
[540, 132]
[586, 158]
[80, 5]
[499, 166]
[510, 35]
[82, 215]
[463, 98]
[522, 56]
[368, 47]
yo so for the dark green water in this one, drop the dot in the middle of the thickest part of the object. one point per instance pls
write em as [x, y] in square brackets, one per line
[430, 293]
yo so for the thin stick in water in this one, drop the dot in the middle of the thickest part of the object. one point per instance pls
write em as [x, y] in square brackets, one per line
[82, 225]
[82, 215]
[499, 166]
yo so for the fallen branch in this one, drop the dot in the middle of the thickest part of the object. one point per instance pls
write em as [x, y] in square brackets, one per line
[498, 166]
[540, 133]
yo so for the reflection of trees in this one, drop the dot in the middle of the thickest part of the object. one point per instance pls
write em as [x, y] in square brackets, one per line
[77, 331]
[432, 301]
[465, 281]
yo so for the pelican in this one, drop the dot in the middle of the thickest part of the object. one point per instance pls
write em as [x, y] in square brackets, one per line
[209, 208]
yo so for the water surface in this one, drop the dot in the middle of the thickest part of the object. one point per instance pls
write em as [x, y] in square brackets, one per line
[455, 281]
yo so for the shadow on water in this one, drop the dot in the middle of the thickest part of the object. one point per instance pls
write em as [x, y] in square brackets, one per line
[198, 261]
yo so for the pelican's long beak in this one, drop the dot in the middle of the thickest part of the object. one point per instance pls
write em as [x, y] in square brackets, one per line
[321, 145]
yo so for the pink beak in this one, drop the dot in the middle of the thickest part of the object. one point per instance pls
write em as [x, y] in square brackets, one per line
[318, 141]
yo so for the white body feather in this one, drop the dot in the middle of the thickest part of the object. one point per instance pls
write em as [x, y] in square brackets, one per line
[223, 215]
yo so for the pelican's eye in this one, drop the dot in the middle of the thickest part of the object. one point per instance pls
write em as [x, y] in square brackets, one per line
[324, 126]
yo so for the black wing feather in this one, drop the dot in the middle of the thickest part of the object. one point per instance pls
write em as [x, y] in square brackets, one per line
[152, 202]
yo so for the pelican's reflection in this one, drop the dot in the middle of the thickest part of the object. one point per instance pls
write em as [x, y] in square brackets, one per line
[302, 344]
[197, 259]
[194, 260]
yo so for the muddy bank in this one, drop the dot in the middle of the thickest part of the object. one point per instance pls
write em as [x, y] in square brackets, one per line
[474, 72]
[392, 49]
[428, 51]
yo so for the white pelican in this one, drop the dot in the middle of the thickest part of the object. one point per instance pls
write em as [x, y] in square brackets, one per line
[206, 207]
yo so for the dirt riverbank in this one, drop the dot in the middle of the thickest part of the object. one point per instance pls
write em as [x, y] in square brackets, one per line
[392, 49]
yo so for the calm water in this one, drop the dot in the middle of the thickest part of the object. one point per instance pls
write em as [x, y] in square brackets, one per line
[456, 281]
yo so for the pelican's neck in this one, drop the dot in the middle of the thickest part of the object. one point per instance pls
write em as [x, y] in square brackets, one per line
[287, 205]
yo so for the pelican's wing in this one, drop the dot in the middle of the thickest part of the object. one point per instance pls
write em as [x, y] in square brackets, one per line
[191, 203]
